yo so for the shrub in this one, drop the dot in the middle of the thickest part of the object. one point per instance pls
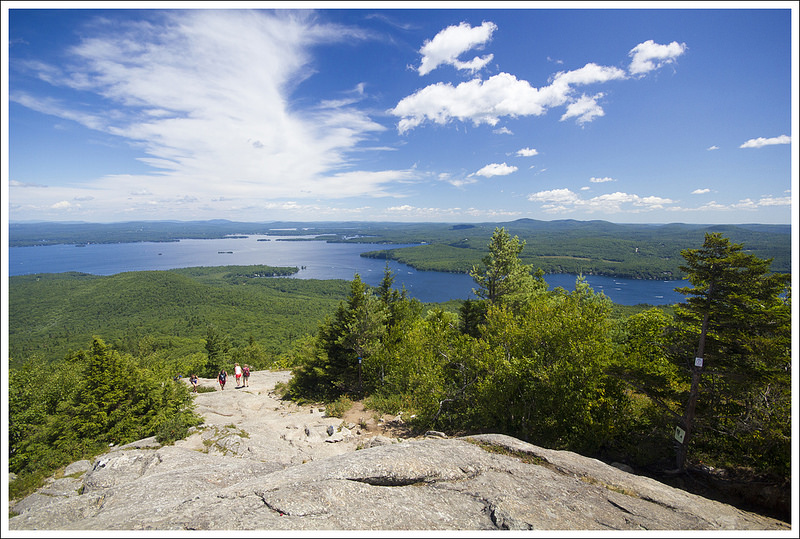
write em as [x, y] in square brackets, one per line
[171, 430]
[338, 407]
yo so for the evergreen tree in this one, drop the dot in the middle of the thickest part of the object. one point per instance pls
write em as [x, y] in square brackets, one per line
[217, 347]
[504, 278]
[741, 322]
[344, 342]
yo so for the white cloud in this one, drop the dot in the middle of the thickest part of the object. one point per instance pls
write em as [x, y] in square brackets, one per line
[601, 180]
[495, 169]
[585, 109]
[15, 183]
[562, 200]
[760, 142]
[710, 148]
[407, 211]
[62, 205]
[555, 196]
[701, 191]
[650, 55]
[450, 43]
[501, 95]
[527, 152]
[211, 116]
[457, 181]
[764, 201]
[503, 131]
[747, 204]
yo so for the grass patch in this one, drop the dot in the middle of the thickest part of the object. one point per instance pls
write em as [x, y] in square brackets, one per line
[525, 457]
[281, 389]
[338, 407]
[26, 484]
[392, 404]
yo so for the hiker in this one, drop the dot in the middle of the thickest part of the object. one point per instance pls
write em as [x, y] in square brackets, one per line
[246, 375]
[222, 378]
[237, 371]
[193, 380]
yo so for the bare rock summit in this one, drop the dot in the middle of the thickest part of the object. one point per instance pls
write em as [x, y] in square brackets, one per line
[258, 463]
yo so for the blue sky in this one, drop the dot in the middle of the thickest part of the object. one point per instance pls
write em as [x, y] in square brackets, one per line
[402, 114]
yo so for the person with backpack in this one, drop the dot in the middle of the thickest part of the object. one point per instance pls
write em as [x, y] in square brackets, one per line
[246, 375]
[222, 378]
[193, 380]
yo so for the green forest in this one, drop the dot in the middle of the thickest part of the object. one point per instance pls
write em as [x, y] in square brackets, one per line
[563, 370]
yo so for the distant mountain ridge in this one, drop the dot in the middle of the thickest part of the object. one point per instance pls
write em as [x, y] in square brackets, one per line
[56, 232]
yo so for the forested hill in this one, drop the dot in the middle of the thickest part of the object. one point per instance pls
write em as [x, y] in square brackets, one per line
[165, 314]
[591, 247]
[559, 246]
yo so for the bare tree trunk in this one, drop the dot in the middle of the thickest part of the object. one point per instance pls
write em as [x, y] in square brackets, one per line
[694, 392]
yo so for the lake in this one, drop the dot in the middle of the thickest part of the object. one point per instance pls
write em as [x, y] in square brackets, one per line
[317, 260]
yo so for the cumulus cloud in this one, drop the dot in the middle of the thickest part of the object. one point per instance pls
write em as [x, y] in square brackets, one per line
[527, 152]
[650, 55]
[561, 200]
[701, 191]
[747, 204]
[450, 43]
[486, 101]
[601, 180]
[710, 148]
[501, 95]
[764, 201]
[203, 108]
[760, 142]
[495, 169]
[585, 109]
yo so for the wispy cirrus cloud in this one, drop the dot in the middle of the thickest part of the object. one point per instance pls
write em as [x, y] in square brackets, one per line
[201, 107]
[410, 212]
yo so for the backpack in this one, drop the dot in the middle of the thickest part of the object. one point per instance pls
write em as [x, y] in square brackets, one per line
[247, 371]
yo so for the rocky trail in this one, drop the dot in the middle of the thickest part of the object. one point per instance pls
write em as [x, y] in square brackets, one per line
[260, 463]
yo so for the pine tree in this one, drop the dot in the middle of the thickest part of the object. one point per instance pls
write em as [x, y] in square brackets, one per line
[217, 347]
[504, 278]
[741, 324]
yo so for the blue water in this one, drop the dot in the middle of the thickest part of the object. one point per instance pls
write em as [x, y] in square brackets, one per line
[317, 260]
